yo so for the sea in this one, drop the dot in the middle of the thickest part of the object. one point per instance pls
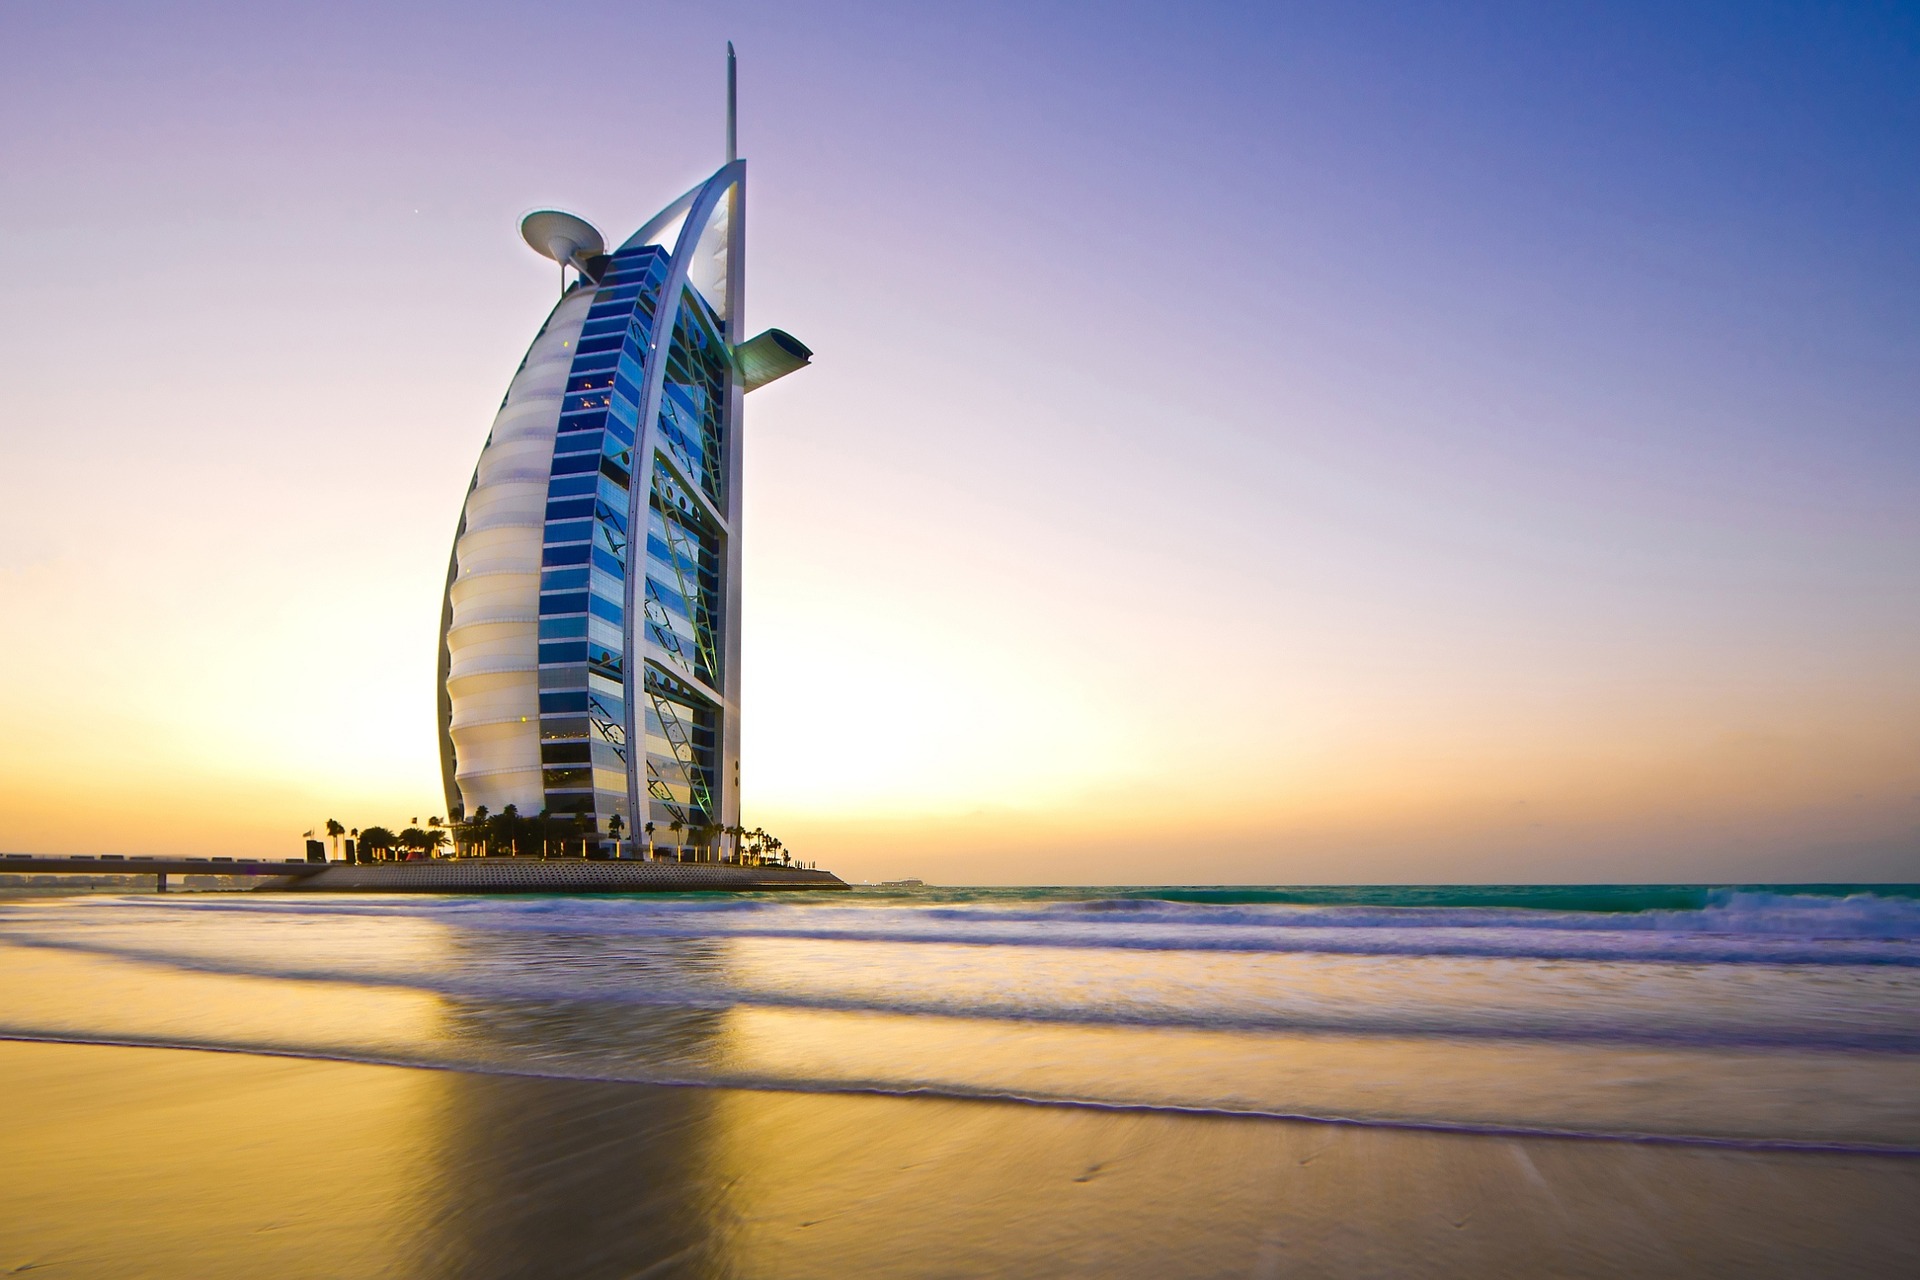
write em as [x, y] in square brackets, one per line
[1746, 1017]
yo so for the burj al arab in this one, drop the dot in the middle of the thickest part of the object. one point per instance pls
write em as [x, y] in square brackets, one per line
[590, 632]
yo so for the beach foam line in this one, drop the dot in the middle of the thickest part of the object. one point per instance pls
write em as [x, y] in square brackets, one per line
[1790, 1146]
[1458, 939]
[1882, 912]
[592, 990]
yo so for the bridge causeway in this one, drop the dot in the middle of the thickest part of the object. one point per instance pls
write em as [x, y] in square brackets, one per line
[115, 864]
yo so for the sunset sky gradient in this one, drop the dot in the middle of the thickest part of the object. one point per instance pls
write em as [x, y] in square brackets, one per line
[1264, 443]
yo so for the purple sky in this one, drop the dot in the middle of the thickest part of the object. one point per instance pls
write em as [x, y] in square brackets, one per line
[1376, 442]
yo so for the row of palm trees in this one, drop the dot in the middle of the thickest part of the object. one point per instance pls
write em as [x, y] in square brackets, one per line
[383, 844]
[510, 833]
[749, 846]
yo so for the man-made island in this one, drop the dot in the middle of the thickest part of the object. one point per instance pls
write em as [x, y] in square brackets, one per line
[450, 875]
[557, 875]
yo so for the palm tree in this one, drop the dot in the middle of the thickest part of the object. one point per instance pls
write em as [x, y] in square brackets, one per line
[615, 825]
[375, 841]
[649, 840]
[334, 832]
[477, 826]
[435, 840]
[676, 826]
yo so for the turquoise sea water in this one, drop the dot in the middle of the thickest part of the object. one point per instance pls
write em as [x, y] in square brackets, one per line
[1602, 898]
[1771, 1014]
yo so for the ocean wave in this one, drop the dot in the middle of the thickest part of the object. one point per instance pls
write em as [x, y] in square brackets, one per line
[1744, 967]
[1731, 927]
[1811, 1016]
[1723, 911]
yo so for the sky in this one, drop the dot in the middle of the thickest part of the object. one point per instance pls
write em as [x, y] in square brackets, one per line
[1245, 444]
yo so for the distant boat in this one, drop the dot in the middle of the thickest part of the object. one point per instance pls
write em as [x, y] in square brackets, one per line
[903, 884]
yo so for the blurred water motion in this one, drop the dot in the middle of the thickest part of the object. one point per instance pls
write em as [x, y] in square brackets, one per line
[1756, 1023]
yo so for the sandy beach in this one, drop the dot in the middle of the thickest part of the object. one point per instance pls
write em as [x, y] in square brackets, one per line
[126, 1161]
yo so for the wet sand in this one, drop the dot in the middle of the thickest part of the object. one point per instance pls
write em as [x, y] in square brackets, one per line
[122, 1162]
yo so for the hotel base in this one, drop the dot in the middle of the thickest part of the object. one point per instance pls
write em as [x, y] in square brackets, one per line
[558, 875]
[454, 875]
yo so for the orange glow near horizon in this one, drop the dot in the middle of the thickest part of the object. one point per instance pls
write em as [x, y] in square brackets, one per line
[1254, 488]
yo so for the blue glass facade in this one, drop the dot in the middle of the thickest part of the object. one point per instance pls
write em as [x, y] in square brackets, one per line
[685, 667]
[585, 554]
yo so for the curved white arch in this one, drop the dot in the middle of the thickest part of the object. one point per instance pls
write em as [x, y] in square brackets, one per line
[702, 204]
[491, 620]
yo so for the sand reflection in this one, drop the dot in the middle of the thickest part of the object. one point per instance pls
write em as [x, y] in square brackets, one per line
[1581, 1088]
[57, 994]
[128, 1162]
[158, 1162]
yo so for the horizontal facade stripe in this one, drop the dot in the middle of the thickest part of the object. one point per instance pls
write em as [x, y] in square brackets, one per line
[490, 667]
[517, 522]
[519, 475]
[505, 619]
[464, 774]
[484, 722]
[477, 574]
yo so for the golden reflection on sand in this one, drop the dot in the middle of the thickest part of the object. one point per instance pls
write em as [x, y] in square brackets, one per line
[56, 993]
[124, 1162]
[1813, 1097]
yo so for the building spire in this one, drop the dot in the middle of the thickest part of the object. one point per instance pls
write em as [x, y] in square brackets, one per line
[733, 145]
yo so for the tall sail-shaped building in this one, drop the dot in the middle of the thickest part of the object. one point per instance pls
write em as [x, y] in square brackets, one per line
[590, 635]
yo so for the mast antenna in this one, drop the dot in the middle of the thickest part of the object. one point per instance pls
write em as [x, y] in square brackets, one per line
[733, 146]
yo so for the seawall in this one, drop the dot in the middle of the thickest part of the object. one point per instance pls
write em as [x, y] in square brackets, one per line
[554, 875]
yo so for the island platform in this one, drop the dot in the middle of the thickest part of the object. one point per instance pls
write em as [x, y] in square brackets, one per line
[452, 875]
